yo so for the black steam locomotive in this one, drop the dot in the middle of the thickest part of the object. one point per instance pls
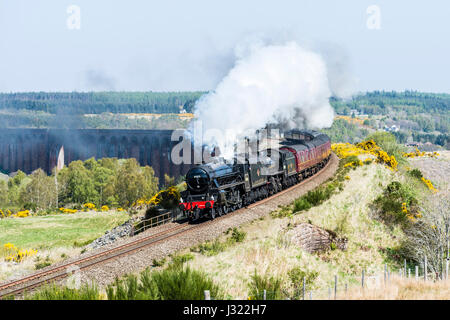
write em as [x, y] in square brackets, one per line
[219, 187]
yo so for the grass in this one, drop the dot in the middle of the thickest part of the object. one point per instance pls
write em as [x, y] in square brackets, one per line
[56, 237]
[401, 289]
[58, 230]
[271, 284]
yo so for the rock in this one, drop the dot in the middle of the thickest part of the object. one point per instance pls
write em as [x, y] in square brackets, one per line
[314, 239]
[110, 236]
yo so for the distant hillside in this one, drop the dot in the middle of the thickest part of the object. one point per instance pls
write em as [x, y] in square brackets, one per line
[412, 116]
[382, 102]
[99, 102]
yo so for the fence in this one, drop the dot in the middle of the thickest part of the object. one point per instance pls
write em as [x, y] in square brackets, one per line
[154, 221]
[365, 281]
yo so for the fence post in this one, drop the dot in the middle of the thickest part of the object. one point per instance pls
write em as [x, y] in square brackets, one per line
[265, 292]
[207, 295]
[304, 287]
[385, 273]
[409, 273]
[404, 262]
[346, 287]
[425, 269]
[310, 295]
[329, 293]
[446, 268]
[362, 279]
[335, 286]
[417, 272]
[389, 275]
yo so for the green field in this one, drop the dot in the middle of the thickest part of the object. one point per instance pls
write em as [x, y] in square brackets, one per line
[62, 230]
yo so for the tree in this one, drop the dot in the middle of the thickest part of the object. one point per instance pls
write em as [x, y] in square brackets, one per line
[134, 182]
[168, 181]
[104, 179]
[80, 184]
[3, 192]
[40, 192]
[430, 235]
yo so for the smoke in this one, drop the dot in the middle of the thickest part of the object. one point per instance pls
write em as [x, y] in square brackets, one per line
[282, 84]
[98, 80]
[342, 81]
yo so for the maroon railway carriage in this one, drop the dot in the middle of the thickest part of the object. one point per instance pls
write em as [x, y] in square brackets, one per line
[311, 150]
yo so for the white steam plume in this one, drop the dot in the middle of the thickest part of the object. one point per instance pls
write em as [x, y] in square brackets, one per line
[283, 84]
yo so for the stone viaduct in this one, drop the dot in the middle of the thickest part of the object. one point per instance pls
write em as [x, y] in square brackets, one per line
[30, 149]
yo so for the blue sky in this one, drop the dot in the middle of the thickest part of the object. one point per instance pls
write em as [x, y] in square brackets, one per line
[188, 45]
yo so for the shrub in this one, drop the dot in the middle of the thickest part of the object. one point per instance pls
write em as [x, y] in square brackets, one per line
[416, 173]
[209, 248]
[314, 197]
[285, 211]
[301, 204]
[271, 284]
[169, 284]
[179, 260]
[158, 263]
[132, 289]
[185, 284]
[296, 276]
[42, 264]
[81, 244]
[388, 143]
[236, 235]
[54, 292]
[394, 202]
[347, 160]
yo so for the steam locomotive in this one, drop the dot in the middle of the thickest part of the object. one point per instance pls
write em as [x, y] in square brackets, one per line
[219, 187]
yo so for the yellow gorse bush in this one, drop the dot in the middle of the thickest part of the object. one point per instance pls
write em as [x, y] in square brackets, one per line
[105, 208]
[65, 210]
[419, 153]
[344, 150]
[429, 184]
[89, 206]
[411, 216]
[170, 192]
[17, 255]
[22, 214]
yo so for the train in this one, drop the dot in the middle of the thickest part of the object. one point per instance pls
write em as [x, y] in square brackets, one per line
[219, 187]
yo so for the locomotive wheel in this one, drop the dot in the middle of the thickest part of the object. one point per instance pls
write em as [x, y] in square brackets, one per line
[197, 213]
[225, 209]
[219, 211]
[213, 214]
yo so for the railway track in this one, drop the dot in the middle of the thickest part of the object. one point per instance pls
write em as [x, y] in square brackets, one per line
[38, 279]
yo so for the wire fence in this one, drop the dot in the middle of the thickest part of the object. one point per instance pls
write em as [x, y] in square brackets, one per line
[339, 288]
